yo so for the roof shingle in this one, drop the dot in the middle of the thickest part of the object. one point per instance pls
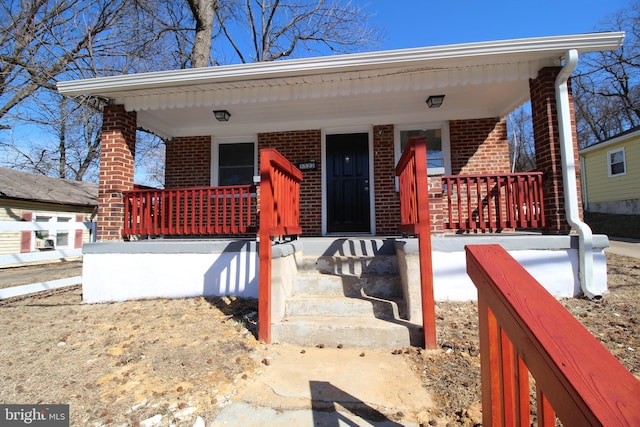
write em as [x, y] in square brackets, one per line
[33, 187]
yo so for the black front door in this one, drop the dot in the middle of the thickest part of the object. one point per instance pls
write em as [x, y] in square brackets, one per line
[348, 183]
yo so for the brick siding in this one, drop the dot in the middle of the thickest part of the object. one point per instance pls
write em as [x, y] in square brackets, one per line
[479, 146]
[188, 162]
[300, 146]
[387, 200]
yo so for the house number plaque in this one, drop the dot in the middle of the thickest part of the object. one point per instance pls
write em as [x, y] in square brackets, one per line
[309, 165]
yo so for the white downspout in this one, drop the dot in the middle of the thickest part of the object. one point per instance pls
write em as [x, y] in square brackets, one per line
[585, 237]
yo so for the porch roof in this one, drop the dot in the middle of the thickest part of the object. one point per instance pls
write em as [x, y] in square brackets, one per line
[487, 79]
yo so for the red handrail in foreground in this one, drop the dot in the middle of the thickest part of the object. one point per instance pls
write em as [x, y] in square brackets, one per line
[414, 216]
[279, 216]
[201, 211]
[525, 329]
[493, 202]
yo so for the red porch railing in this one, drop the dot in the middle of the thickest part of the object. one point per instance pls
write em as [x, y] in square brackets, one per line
[493, 202]
[524, 329]
[202, 211]
[279, 216]
[414, 216]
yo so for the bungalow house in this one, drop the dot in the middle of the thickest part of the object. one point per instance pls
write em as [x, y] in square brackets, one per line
[344, 121]
[611, 175]
[41, 216]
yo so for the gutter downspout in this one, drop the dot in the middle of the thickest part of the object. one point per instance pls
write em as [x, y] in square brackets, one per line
[585, 237]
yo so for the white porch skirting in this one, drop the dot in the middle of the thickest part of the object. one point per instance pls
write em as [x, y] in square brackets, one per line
[119, 271]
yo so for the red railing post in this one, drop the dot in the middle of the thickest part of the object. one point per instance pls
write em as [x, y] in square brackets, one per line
[264, 248]
[415, 218]
[279, 216]
[521, 323]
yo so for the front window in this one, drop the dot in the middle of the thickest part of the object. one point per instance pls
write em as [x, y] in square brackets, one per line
[236, 163]
[617, 162]
[437, 158]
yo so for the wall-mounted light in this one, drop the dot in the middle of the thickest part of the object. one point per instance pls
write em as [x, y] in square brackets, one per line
[435, 101]
[222, 115]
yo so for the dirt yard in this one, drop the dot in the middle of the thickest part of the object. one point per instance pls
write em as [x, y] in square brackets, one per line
[119, 364]
[454, 371]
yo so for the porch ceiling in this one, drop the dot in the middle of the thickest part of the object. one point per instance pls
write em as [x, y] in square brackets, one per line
[477, 79]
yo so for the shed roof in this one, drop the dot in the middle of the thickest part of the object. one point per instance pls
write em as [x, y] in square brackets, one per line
[487, 79]
[39, 188]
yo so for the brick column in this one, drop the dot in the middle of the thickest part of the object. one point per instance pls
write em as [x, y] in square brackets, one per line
[547, 146]
[117, 155]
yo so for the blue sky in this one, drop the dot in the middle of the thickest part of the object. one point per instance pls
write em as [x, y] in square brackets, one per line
[415, 23]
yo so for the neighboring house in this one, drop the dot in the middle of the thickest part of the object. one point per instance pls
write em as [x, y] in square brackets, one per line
[611, 175]
[52, 203]
[344, 121]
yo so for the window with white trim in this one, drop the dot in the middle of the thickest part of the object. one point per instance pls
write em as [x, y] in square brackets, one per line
[616, 162]
[236, 163]
[52, 237]
[438, 161]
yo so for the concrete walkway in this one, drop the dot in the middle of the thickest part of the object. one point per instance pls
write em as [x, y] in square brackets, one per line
[623, 246]
[311, 386]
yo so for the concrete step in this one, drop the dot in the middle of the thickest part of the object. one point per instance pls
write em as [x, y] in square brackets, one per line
[343, 246]
[378, 285]
[350, 265]
[340, 306]
[360, 332]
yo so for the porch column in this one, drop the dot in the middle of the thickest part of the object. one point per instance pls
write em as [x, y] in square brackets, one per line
[117, 155]
[547, 147]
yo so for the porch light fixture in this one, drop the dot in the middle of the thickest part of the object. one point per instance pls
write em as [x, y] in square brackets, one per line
[435, 101]
[221, 115]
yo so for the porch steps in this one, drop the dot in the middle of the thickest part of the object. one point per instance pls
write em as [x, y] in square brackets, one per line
[350, 299]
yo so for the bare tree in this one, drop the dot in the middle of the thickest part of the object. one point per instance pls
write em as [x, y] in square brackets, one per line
[41, 40]
[521, 142]
[606, 87]
[203, 11]
[292, 28]
[66, 143]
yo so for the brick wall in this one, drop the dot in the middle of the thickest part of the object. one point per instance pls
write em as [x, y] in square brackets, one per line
[548, 157]
[117, 154]
[387, 201]
[299, 146]
[188, 162]
[479, 146]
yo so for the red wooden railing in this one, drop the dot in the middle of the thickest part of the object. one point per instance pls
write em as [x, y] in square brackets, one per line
[523, 330]
[414, 216]
[202, 211]
[493, 202]
[279, 216]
